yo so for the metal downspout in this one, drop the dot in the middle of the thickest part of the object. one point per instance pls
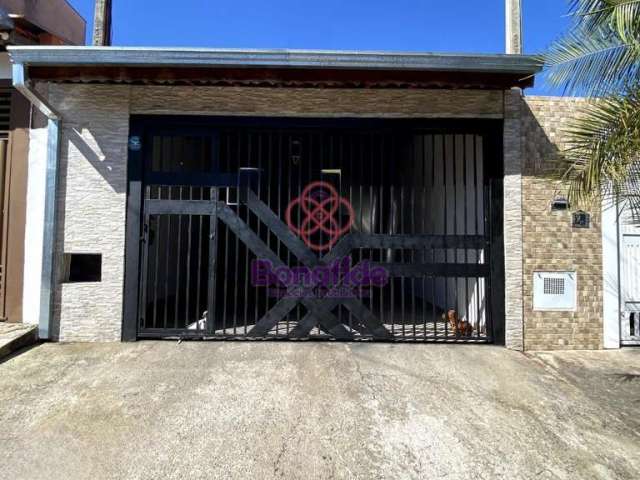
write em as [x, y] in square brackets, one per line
[48, 276]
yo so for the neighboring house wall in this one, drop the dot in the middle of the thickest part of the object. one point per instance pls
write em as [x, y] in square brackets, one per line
[15, 206]
[550, 242]
[46, 21]
[13, 176]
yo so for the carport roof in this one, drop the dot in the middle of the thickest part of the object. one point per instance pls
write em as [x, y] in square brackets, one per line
[276, 67]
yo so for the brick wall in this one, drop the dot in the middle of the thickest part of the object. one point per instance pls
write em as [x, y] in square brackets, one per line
[513, 253]
[549, 241]
[91, 207]
[309, 102]
[92, 190]
[92, 195]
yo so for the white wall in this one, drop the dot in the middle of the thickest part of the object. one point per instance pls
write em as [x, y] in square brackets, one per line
[36, 187]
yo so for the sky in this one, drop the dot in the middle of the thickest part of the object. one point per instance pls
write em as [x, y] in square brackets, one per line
[472, 26]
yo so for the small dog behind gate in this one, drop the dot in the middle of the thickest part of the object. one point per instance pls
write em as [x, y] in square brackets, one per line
[460, 328]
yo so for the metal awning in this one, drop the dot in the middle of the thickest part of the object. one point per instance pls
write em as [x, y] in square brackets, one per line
[237, 58]
[134, 64]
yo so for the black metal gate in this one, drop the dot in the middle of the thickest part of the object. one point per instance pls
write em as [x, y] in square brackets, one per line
[307, 229]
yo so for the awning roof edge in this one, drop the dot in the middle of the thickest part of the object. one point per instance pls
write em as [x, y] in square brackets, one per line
[299, 59]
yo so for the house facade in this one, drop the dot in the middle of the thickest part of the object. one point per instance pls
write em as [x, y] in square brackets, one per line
[296, 194]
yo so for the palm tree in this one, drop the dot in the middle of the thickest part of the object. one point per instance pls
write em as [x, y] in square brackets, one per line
[599, 57]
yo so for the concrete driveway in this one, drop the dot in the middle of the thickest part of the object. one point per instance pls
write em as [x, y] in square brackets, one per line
[317, 410]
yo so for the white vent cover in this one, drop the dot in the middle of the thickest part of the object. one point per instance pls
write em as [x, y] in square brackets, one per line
[554, 291]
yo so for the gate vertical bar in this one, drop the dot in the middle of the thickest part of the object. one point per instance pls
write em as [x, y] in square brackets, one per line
[178, 255]
[213, 258]
[269, 204]
[379, 188]
[479, 290]
[237, 246]
[434, 318]
[454, 161]
[487, 255]
[465, 231]
[351, 177]
[256, 292]
[199, 281]
[372, 146]
[225, 300]
[166, 267]
[412, 229]
[445, 222]
[156, 268]
[188, 260]
[144, 269]
[241, 195]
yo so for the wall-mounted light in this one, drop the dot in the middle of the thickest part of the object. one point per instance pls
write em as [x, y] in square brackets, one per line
[559, 204]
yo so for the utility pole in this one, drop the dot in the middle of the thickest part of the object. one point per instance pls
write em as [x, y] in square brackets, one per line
[102, 23]
[513, 26]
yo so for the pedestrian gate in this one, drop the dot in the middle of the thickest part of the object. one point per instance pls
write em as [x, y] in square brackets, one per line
[298, 229]
[630, 276]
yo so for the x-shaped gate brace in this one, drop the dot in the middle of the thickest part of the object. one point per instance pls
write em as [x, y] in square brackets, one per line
[320, 310]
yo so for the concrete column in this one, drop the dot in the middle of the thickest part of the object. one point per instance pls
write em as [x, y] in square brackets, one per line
[102, 23]
[513, 26]
[513, 219]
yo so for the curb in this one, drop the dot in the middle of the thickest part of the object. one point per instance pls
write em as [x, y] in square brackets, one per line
[26, 338]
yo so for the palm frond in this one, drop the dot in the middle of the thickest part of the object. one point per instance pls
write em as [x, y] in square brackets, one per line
[629, 193]
[626, 19]
[620, 15]
[600, 54]
[603, 150]
[591, 63]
